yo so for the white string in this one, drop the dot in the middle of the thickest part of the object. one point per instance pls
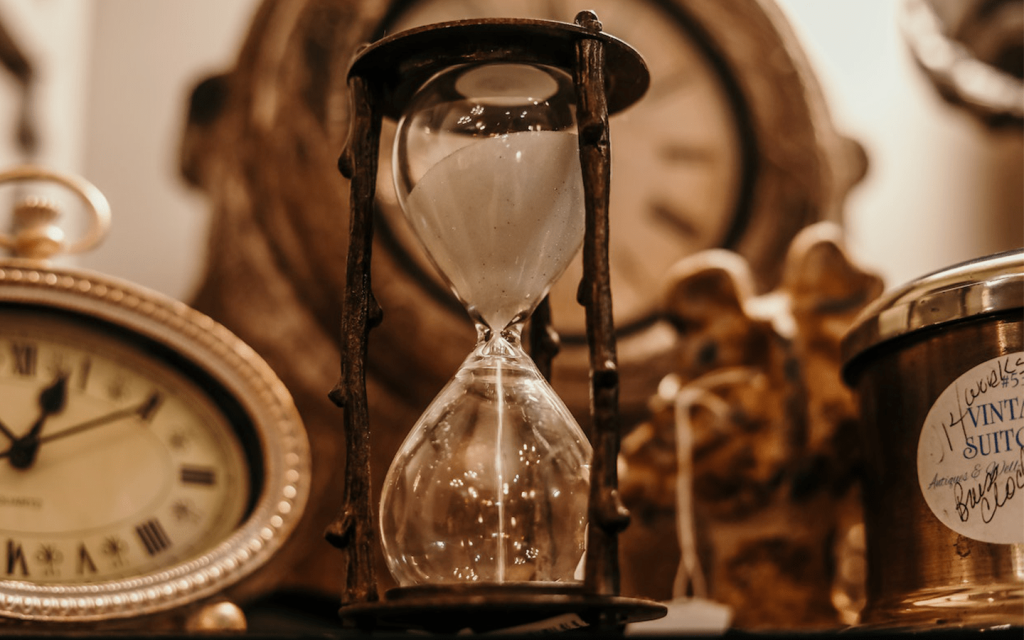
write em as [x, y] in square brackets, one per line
[690, 580]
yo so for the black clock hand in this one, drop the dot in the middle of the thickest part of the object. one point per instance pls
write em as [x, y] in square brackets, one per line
[52, 400]
[7, 432]
[141, 409]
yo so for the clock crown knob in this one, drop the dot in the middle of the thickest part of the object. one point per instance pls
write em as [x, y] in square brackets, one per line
[36, 233]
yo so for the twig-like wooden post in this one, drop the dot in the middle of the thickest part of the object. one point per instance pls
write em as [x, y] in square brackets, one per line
[353, 531]
[608, 517]
[544, 341]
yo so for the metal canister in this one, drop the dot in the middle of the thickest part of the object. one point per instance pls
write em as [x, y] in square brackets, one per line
[938, 366]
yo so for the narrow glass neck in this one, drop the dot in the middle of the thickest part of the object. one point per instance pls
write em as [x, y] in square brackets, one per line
[490, 342]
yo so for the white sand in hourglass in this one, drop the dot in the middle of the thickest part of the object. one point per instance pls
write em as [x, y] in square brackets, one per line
[502, 218]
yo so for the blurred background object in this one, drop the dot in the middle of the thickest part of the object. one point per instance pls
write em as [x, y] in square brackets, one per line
[973, 50]
[752, 451]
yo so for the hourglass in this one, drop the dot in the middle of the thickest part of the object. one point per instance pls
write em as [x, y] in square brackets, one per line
[496, 511]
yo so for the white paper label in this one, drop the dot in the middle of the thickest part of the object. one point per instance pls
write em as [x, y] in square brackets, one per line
[970, 457]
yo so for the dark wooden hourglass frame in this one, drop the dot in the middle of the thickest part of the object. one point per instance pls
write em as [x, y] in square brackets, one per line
[608, 76]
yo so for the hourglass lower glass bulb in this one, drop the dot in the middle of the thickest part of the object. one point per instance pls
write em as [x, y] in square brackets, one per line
[492, 483]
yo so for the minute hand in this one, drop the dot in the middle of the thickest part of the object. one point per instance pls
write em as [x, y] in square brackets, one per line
[141, 409]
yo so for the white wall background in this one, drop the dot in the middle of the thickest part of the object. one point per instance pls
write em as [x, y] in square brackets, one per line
[114, 78]
[55, 35]
[116, 75]
[941, 188]
[147, 56]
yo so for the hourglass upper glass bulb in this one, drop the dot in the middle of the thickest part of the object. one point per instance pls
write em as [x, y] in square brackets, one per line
[487, 171]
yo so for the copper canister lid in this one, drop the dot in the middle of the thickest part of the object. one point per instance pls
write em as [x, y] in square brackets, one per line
[979, 287]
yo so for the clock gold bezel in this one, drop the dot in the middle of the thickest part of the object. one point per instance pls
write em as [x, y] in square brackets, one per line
[241, 373]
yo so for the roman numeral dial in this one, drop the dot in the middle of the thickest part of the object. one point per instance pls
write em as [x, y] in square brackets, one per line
[153, 536]
[198, 476]
[148, 457]
[135, 467]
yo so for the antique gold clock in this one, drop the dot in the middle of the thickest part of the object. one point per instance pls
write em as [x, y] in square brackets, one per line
[148, 458]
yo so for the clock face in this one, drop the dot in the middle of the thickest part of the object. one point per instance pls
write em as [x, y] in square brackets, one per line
[113, 461]
[148, 457]
[680, 168]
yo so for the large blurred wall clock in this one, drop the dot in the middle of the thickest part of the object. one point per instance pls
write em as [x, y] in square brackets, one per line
[732, 147]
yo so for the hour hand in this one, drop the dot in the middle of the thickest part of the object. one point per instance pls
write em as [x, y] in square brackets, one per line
[52, 400]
